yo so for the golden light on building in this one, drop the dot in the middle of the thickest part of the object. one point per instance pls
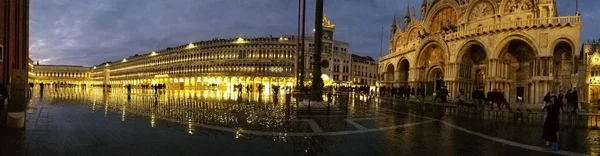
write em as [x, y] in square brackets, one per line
[459, 61]
[240, 40]
[190, 46]
[153, 53]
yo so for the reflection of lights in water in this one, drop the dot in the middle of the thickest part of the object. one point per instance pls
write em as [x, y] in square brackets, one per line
[190, 126]
[105, 109]
[238, 132]
[123, 113]
[94, 105]
[185, 108]
[152, 123]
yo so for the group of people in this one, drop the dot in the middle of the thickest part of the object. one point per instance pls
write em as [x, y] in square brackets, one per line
[403, 92]
[571, 97]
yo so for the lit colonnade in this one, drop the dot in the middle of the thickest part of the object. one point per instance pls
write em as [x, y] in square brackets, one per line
[59, 74]
[219, 63]
[523, 51]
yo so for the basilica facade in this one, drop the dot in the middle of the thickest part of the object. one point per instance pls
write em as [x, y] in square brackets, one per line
[521, 47]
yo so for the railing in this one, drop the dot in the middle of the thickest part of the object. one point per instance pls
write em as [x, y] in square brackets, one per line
[513, 24]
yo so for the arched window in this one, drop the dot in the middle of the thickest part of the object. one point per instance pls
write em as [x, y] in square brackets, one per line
[443, 20]
[595, 71]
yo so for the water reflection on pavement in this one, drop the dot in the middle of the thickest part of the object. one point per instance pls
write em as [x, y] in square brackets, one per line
[93, 121]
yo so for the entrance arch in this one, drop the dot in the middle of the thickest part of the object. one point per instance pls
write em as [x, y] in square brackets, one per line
[389, 74]
[403, 68]
[517, 65]
[430, 63]
[472, 66]
[435, 80]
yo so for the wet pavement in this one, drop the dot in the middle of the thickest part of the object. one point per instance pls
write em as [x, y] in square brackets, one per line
[76, 121]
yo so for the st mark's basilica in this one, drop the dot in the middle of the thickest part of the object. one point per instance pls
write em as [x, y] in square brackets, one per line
[520, 47]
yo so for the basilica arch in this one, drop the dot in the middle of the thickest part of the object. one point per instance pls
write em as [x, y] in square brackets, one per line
[563, 63]
[472, 66]
[403, 68]
[514, 69]
[388, 76]
[431, 66]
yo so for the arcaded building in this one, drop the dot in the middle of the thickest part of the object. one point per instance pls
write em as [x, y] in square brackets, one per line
[224, 63]
[60, 75]
[523, 48]
[217, 62]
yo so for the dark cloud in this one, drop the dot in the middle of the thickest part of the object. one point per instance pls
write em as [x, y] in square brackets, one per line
[88, 32]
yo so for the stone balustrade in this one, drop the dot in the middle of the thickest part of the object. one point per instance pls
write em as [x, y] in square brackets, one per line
[520, 24]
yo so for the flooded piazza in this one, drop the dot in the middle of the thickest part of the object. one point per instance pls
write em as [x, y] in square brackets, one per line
[94, 121]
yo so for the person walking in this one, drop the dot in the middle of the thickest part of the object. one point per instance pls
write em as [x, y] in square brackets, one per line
[546, 101]
[574, 100]
[550, 131]
[41, 88]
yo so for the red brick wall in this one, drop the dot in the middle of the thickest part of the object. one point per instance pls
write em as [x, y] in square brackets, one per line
[14, 36]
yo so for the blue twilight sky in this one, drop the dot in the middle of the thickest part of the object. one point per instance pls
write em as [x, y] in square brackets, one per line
[88, 32]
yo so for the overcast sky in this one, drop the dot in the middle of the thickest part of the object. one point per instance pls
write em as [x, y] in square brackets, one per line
[89, 32]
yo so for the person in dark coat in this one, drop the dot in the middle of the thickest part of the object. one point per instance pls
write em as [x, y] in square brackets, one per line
[546, 101]
[550, 131]
[41, 87]
[574, 98]
[444, 94]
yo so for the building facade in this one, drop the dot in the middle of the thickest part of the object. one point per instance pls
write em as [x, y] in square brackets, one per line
[522, 48]
[227, 62]
[218, 62]
[364, 71]
[60, 75]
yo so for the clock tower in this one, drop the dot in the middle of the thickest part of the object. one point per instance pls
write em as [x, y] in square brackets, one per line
[328, 29]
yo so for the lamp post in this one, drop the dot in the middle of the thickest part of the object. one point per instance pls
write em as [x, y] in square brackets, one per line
[317, 82]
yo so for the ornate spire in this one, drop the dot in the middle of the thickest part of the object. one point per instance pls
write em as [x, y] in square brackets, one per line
[407, 17]
[394, 21]
[407, 14]
[394, 27]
